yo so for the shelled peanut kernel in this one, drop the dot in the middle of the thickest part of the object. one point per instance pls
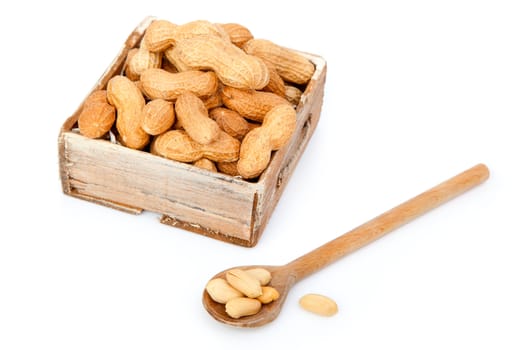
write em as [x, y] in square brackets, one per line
[243, 292]
[318, 304]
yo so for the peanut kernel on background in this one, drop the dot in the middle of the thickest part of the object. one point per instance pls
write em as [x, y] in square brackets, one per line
[318, 304]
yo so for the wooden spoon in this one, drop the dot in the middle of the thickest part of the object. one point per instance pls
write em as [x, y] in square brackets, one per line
[284, 277]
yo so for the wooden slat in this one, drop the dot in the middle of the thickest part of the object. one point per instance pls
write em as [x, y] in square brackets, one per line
[284, 161]
[104, 170]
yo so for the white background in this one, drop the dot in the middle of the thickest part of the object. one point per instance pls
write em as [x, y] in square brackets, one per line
[417, 91]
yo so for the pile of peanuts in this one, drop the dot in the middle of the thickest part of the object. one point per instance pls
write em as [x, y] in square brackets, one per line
[243, 291]
[202, 93]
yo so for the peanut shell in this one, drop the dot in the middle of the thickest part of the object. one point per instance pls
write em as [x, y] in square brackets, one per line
[158, 83]
[206, 164]
[157, 116]
[251, 104]
[178, 145]
[231, 122]
[238, 34]
[129, 102]
[97, 115]
[290, 65]
[193, 117]
[232, 65]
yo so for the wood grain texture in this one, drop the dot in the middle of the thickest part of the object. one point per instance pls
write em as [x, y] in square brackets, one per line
[216, 205]
[139, 179]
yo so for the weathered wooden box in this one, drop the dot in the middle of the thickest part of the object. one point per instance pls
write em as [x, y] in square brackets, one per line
[213, 204]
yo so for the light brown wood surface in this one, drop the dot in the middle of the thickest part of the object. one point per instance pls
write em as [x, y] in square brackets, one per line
[284, 277]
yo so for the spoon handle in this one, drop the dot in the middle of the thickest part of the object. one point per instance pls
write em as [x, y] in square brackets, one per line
[386, 222]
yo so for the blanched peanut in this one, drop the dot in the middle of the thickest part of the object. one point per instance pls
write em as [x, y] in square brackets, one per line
[242, 291]
[318, 304]
[262, 275]
[240, 307]
[220, 291]
[268, 295]
[244, 282]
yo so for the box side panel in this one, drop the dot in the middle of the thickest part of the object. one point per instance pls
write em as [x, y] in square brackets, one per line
[114, 68]
[111, 173]
[274, 179]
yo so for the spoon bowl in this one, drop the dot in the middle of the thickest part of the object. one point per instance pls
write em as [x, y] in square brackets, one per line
[284, 277]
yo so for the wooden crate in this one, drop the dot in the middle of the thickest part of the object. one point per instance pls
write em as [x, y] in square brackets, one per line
[213, 204]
